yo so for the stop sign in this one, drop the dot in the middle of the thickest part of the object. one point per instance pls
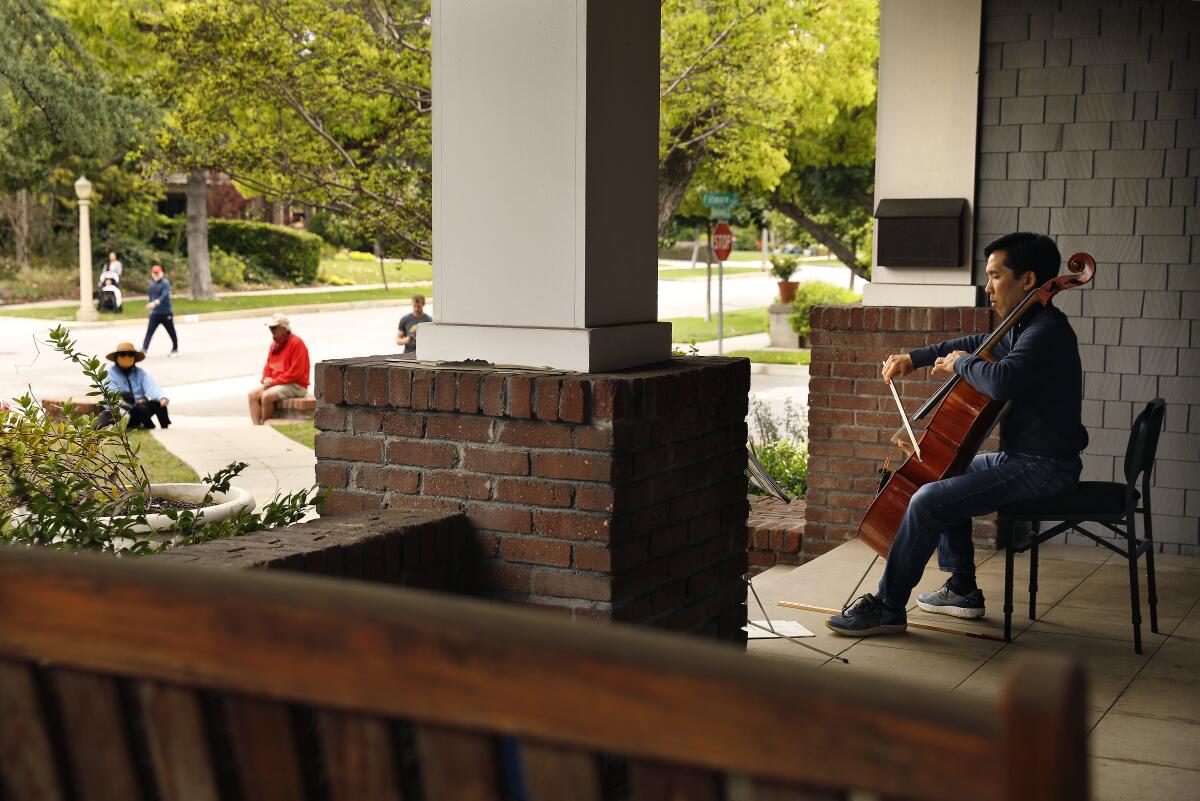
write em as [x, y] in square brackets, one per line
[722, 241]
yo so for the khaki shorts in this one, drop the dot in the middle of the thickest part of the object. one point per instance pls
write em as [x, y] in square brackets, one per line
[282, 391]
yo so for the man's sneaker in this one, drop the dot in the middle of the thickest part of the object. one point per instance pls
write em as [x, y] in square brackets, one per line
[868, 616]
[945, 601]
[172, 354]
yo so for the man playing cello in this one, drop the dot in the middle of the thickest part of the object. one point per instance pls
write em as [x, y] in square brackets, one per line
[1037, 368]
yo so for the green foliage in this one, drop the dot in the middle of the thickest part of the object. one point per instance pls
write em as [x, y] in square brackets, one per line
[780, 444]
[65, 482]
[816, 293]
[783, 267]
[800, 356]
[227, 269]
[287, 253]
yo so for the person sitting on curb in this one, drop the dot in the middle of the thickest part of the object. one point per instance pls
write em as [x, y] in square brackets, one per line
[285, 374]
[141, 396]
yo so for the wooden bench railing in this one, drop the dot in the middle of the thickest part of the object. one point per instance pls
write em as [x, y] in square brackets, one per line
[125, 680]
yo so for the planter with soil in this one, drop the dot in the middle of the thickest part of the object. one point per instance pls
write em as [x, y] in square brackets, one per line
[181, 497]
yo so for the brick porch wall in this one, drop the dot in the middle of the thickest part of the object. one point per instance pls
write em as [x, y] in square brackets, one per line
[618, 496]
[775, 533]
[852, 416]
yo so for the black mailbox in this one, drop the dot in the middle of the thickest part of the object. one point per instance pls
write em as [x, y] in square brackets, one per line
[921, 232]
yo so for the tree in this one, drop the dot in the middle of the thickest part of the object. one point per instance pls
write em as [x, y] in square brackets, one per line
[308, 101]
[743, 80]
[55, 105]
[199, 273]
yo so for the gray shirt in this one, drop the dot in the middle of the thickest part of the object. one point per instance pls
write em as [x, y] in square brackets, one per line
[408, 324]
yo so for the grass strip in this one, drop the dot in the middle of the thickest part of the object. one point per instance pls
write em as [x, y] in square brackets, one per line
[162, 466]
[803, 356]
[183, 306]
[737, 323]
[697, 274]
[304, 432]
[366, 271]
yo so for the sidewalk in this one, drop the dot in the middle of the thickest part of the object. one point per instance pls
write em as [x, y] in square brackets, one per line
[276, 463]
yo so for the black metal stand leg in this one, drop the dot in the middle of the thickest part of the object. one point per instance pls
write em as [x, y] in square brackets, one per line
[1151, 589]
[1134, 598]
[1033, 567]
[1008, 587]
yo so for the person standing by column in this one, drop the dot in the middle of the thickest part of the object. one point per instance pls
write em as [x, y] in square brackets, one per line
[161, 313]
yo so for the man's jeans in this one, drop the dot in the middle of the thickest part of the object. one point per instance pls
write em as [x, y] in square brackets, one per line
[939, 514]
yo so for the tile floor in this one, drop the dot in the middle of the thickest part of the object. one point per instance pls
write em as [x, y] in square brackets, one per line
[1143, 710]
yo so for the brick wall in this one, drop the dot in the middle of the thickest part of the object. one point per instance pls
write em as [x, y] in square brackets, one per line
[775, 533]
[852, 415]
[614, 496]
[407, 548]
[1088, 133]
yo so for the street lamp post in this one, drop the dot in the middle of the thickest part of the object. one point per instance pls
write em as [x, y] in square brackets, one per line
[83, 191]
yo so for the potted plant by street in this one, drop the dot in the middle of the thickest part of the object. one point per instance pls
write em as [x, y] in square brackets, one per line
[68, 482]
[783, 266]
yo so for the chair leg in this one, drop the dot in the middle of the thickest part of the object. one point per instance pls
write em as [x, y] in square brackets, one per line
[1033, 568]
[1151, 589]
[1134, 599]
[1008, 585]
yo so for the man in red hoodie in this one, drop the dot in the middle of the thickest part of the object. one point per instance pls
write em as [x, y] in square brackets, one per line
[285, 374]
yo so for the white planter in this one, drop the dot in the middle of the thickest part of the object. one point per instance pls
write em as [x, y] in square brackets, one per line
[224, 505]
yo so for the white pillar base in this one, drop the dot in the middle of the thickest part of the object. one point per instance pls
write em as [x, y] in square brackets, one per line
[584, 350]
[877, 294]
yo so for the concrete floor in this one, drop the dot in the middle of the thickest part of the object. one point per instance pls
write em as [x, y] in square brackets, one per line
[1143, 710]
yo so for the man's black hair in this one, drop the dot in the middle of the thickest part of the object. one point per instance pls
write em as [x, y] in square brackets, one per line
[1025, 251]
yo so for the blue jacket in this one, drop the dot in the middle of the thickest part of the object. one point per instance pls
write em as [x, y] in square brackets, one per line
[1037, 367]
[136, 382]
[160, 291]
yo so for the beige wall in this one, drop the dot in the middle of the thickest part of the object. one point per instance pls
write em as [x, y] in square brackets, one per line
[927, 121]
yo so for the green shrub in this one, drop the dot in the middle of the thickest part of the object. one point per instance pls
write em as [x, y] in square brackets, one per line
[816, 293]
[289, 254]
[783, 267]
[745, 238]
[227, 269]
[787, 462]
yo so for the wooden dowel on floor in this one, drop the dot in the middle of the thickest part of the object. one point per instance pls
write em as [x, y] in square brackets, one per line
[927, 626]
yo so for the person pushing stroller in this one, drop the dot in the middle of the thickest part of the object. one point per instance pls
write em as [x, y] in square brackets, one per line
[108, 293]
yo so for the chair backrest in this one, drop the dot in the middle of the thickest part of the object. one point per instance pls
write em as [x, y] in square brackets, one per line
[1143, 441]
[127, 680]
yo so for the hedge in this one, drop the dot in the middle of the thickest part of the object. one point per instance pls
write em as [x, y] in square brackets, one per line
[289, 254]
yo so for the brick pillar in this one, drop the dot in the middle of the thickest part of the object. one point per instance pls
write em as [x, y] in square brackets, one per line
[852, 416]
[617, 496]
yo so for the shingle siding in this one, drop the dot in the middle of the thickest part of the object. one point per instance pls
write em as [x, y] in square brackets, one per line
[1089, 132]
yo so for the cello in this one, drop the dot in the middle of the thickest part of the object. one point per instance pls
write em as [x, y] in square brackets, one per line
[963, 418]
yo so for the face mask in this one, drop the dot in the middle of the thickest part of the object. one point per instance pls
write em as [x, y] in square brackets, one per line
[125, 362]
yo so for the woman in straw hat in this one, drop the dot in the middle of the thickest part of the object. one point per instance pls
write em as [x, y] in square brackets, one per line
[142, 398]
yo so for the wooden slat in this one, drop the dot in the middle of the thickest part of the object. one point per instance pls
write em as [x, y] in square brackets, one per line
[97, 745]
[178, 744]
[360, 758]
[1042, 711]
[656, 781]
[467, 664]
[265, 744]
[27, 769]
[457, 765]
[772, 791]
[553, 773]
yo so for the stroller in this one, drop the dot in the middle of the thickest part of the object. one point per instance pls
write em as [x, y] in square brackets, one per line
[108, 293]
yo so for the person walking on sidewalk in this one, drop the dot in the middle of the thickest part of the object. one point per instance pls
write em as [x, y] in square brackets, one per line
[141, 396]
[285, 374]
[407, 335]
[161, 313]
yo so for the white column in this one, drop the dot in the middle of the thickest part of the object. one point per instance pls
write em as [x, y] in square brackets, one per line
[926, 128]
[545, 153]
[87, 311]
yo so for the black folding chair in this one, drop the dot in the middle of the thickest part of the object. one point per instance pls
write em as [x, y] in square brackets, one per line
[1112, 504]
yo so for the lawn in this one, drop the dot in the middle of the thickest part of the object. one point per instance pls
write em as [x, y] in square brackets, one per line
[162, 466]
[184, 306]
[744, 321]
[803, 356]
[304, 433]
[359, 270]
[686, 273]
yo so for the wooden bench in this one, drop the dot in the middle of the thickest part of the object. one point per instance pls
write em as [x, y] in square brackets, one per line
[121, 679]
[296, 408]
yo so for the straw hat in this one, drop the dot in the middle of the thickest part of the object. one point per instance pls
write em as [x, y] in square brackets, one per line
[279, 319]
[126, 348]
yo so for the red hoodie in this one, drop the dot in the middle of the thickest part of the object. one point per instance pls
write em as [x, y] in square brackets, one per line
[287, 363]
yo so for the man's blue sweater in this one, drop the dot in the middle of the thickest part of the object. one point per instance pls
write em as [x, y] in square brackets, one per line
[160, 291]
[1037, 368]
